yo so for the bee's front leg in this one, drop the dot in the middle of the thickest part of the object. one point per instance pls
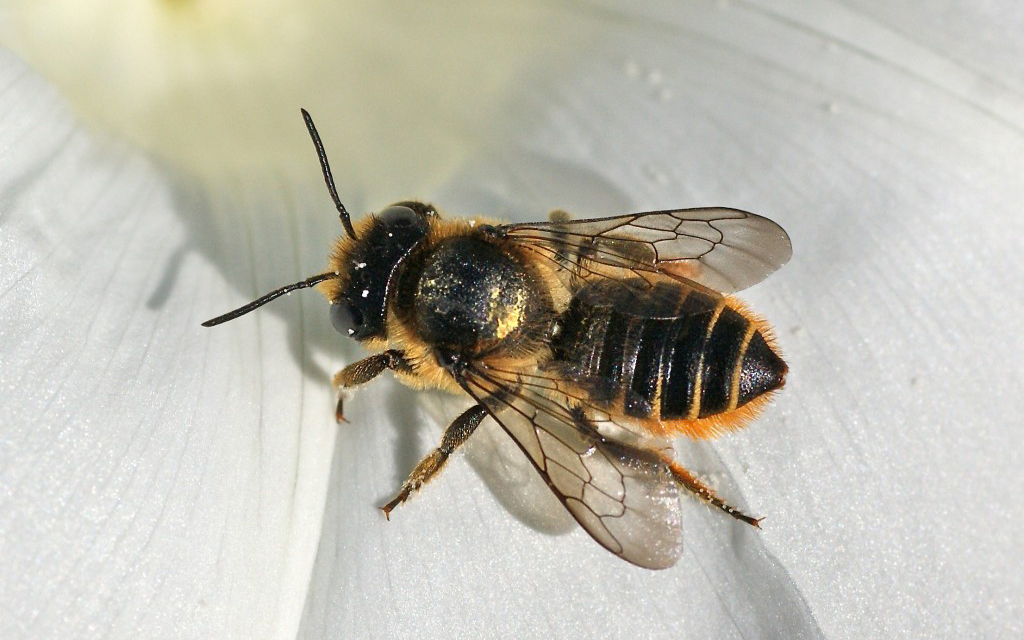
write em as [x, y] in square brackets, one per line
[365, 370]
[456, 433]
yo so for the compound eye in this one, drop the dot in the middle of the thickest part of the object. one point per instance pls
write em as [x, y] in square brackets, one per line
[347, 320]
[399, 216]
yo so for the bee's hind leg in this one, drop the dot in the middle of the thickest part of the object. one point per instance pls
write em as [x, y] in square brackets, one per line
[704, 493]
[456, 433]
[367, 369]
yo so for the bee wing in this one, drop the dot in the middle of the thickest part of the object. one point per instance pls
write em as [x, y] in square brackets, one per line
[723, 249]
[624, 496]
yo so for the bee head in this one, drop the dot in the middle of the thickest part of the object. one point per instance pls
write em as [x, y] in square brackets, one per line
[367, 269]
[364, 270]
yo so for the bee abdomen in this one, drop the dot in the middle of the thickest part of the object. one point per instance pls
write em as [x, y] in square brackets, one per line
[700, 358]
[720, 363]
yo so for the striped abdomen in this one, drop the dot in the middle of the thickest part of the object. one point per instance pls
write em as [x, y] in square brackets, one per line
[671, 353]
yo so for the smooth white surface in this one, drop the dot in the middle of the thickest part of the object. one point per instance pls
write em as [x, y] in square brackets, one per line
[162, 480]
[158, 480]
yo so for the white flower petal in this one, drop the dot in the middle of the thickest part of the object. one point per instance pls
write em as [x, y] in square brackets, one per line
[214, 85]
[159, 479]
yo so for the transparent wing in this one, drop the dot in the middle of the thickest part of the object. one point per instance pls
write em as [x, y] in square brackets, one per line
[623, 495]
[722, 249]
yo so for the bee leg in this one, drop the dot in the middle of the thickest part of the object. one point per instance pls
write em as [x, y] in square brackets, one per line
[367, 369]
[703, 492]
[456, 433]
[559, 215]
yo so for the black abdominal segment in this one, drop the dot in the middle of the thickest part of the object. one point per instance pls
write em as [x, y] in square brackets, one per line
[668, 353]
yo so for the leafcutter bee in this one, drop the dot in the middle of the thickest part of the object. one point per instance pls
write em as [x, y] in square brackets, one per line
[590, 342]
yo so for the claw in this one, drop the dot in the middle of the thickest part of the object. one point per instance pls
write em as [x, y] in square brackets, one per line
[402, 496]
[389, 507]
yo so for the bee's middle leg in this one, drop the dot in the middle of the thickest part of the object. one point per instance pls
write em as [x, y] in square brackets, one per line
[456, 433]
[363, 371]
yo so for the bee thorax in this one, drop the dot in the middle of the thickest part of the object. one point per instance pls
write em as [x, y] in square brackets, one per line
[471, 297]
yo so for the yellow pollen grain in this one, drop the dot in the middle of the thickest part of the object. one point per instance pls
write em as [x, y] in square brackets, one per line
[509, 316]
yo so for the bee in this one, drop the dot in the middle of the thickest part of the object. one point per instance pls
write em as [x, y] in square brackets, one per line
[590, 342]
